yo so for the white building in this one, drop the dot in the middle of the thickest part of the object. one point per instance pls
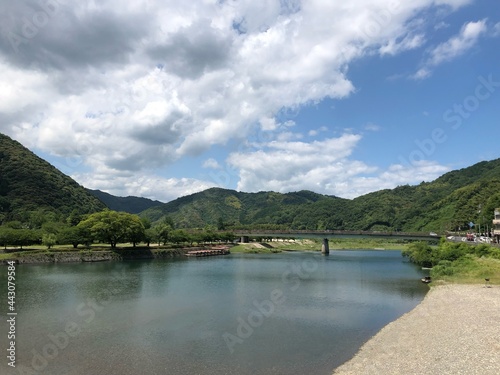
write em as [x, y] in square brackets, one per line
[496, 225]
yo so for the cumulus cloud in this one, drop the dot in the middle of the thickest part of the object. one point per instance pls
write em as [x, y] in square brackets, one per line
[148, 186]
[393, 47]
[211, 163]
[323, 166]
[315, 132]
[452, 48]
[129, 87]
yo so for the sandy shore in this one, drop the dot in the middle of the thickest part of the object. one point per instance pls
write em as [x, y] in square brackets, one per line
[455, 330]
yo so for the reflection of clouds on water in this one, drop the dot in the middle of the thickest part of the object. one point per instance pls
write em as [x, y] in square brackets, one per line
[172, 313]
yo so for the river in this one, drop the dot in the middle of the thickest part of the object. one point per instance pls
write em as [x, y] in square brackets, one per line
[286, 313]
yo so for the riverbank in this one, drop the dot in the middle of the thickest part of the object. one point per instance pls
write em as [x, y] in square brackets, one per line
[96, 255]
[455, 330]
[278, 245]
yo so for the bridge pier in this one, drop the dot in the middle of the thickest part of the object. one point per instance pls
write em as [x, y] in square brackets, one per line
[325, 249]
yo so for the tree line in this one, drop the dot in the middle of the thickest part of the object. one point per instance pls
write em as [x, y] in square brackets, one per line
[106, 226]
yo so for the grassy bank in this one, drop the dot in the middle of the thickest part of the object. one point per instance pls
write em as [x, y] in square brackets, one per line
[457, 262]
[30, 254]
[315, 245]
[468, 270]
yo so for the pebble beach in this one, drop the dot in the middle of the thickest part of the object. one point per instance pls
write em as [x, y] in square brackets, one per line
[455, 330]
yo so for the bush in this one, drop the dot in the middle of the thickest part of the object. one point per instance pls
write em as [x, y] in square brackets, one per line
[420, 253]
[443, 268]
[483, 250]
[453, 251]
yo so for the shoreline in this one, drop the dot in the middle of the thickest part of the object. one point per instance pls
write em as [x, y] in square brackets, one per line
[454, 330]
[100, 255]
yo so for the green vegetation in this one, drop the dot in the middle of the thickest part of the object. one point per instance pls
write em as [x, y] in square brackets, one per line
[265, 245]
[448, 203]
[457, 262]
[42, 207]
[34, 192]
[114, 227]
[132, 205]
[110, 227]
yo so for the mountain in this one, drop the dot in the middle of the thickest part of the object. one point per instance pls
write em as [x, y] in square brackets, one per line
[216, 206]
[448, 203]
[29, 184]
[30, 188]
[130, 204]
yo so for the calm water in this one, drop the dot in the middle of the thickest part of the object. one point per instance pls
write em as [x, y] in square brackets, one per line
[288, 313]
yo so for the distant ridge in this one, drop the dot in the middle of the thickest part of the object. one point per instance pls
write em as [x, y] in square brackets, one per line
[130, 204]
[28, 185]
[448, 203]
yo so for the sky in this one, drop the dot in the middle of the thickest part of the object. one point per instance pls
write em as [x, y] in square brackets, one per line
[162, 99]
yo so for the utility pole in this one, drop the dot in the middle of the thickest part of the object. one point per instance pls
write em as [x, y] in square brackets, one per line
[480, 218]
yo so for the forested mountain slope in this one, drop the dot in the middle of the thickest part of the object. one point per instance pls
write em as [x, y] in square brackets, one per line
[448, 203]
[130, 204]
[29, 184]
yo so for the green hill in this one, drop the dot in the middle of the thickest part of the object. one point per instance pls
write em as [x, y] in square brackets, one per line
[448, 203]
[133, 205]
[29, 184]
[236, 209]
[31, 187]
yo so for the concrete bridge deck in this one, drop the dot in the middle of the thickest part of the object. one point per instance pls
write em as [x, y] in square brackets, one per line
[337, 233]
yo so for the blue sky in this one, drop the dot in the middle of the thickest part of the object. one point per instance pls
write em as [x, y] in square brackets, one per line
[163, 100]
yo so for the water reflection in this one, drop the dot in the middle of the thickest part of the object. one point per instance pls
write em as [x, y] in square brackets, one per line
[170, 316]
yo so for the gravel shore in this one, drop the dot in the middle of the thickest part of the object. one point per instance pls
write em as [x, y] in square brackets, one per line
[455, 330]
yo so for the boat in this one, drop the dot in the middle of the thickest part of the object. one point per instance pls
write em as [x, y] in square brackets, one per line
[426, 279]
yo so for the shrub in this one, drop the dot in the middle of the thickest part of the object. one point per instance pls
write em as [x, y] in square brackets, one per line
[420, 253]
[443, 268]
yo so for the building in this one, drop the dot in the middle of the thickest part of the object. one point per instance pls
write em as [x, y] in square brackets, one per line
[496, 226]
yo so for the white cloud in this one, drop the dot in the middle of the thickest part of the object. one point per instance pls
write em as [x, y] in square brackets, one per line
[148, 186]
[315, 132]
[452, 48]
[372, 127]
[129, 87]
[324, 167]
[393, 46]
[211, 164]
[441, 25]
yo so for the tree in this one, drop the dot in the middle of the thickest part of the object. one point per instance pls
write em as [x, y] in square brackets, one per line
[162, 232]
[18, 237]
[73, 236]
[227, 236]
[74, 218]
[149, 236]
[113, 227]
[178, 236]
[421, 253]
[135, 231]
[49, 240]
[6, 236]
[220, 223]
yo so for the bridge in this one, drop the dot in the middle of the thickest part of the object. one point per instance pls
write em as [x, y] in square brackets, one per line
[336, 234]
[329, 234]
